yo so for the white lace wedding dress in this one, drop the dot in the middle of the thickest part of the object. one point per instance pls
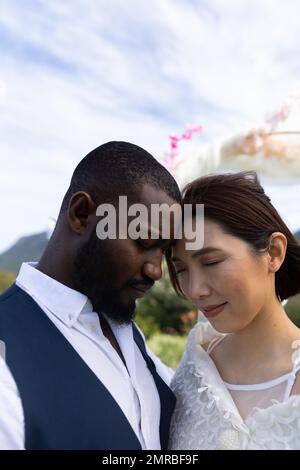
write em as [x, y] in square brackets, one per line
[211, 414]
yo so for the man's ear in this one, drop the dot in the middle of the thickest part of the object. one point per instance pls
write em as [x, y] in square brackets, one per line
[81, 208]
[276, 251]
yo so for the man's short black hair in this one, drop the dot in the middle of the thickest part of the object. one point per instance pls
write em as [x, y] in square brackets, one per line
[119, 168]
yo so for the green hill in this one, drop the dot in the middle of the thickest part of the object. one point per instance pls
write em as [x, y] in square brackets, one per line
[29, 248]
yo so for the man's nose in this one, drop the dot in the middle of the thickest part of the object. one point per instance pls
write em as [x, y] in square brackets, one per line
[152, 266]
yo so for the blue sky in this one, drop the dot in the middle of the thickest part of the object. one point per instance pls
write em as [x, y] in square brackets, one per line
[76, 74]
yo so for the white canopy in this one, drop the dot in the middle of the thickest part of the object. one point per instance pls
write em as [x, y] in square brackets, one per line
[272, 149]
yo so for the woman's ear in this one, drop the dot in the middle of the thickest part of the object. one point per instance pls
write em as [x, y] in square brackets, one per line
[276, 251]
[81, 207]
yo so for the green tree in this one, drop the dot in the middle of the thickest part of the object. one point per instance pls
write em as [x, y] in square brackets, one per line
[168, 348]
[161, 310]
[293, 309]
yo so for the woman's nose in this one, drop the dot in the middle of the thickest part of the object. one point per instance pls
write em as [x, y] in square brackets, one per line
[197, 289]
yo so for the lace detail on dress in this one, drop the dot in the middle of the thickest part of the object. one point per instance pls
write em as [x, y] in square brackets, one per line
[276, 427]
[199, 411]
[207, 418]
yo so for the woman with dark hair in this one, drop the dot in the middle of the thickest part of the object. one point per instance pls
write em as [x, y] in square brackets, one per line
[238, 384]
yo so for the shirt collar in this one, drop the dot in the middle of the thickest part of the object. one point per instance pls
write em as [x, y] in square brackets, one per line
[65, 303]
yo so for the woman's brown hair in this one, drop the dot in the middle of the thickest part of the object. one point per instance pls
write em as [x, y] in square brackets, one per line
[238, 203]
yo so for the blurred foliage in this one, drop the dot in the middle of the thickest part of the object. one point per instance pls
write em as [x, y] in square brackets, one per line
[293, 309]
[161, 310]
[168, 348]
[6, 280]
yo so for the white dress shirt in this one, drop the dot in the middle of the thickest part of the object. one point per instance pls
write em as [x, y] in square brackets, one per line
[133, 388]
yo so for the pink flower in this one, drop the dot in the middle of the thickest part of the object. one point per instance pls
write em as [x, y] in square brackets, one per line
[172, 161]
[187, 135]
[197, 128]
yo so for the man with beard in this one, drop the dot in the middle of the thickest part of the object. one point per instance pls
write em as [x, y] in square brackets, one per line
[78, 374]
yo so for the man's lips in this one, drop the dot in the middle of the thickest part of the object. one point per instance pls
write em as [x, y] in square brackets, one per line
[213, 310]
[141, 289]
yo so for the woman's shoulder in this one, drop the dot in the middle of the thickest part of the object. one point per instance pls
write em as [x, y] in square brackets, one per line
[201, 336]
[195, 359]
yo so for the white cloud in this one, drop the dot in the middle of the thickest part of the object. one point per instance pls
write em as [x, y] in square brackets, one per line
[76, 77]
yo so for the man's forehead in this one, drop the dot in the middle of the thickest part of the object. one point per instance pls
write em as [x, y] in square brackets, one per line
[162, 230]
[153, 195]
[153, 214]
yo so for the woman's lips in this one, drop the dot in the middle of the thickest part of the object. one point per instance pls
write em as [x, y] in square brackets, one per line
[212, 311]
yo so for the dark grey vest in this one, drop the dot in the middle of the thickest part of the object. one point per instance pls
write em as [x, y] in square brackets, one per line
[65, 405]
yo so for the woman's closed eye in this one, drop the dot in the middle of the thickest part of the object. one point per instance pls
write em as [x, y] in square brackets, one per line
[179, 269]
[212, 263]
[208, 263]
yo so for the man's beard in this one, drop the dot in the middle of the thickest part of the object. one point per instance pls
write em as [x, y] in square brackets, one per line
[95, 276]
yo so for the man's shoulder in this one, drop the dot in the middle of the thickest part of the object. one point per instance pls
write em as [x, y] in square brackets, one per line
[9, 297]
[9, 293]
